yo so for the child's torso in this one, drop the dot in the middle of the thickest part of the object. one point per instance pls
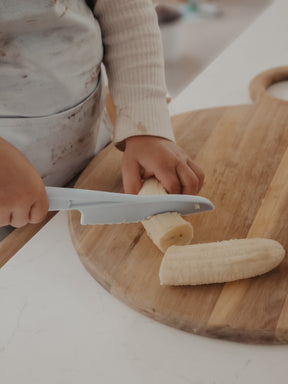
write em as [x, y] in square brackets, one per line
[52, 97]
[50, 55]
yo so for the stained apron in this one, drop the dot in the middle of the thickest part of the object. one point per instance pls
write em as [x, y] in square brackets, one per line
[60, 145]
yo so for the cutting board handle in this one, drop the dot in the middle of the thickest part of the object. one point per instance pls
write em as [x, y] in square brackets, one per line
[259, 85]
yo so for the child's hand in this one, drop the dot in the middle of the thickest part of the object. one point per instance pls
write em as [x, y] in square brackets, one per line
[147, 156]
[23, 197]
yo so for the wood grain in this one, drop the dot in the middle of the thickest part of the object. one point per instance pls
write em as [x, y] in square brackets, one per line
[243, 152]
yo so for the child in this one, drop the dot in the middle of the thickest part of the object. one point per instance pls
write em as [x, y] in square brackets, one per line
[52, 119]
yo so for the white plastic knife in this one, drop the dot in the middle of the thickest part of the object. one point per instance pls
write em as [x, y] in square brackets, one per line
[98, 207]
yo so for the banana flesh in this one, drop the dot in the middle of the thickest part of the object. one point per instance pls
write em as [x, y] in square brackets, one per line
[219, 262]
[168, 228]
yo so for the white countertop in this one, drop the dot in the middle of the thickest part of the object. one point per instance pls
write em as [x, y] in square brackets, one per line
[58, 325]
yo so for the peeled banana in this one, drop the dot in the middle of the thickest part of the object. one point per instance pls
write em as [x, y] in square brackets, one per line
[168, 228]
[219, 262]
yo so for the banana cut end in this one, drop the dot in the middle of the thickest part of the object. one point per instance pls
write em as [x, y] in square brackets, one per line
[167, 228]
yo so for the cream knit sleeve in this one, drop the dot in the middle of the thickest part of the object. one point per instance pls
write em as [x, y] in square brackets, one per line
[135, 67]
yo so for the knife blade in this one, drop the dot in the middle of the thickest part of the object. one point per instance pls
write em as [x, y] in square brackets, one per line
[100, 207]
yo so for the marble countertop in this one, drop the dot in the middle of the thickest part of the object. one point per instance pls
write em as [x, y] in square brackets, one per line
[58, 325]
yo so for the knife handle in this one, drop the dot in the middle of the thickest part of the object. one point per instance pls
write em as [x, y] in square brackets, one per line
[68, 198]
[72, 198]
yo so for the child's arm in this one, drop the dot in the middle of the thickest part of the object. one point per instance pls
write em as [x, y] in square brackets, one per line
[135, 67]
[23, 197]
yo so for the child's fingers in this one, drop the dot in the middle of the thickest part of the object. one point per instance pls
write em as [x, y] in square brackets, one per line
[184, 178]
[29, 213]
[19, 217]
[14, 212]
[189, 180]
[169, 180]
[131, 177]
[24, 214]
[38, 210]
[198, 172]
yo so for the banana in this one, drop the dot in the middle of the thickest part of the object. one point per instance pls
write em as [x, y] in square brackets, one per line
[168, 228]
[219, 262]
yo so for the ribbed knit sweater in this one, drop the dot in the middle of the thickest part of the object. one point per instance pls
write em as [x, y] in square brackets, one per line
[134, 62]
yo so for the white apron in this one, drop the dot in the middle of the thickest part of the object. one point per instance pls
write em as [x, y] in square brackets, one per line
[52, 92]
[52, 104]
[62, 144]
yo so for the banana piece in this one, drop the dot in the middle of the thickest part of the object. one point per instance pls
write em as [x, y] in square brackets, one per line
[168, 228]
[219, 262]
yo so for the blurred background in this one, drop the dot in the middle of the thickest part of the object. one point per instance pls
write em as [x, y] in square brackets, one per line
[195, 32]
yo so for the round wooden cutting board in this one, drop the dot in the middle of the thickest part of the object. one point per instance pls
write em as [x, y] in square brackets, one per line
[243, 152]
